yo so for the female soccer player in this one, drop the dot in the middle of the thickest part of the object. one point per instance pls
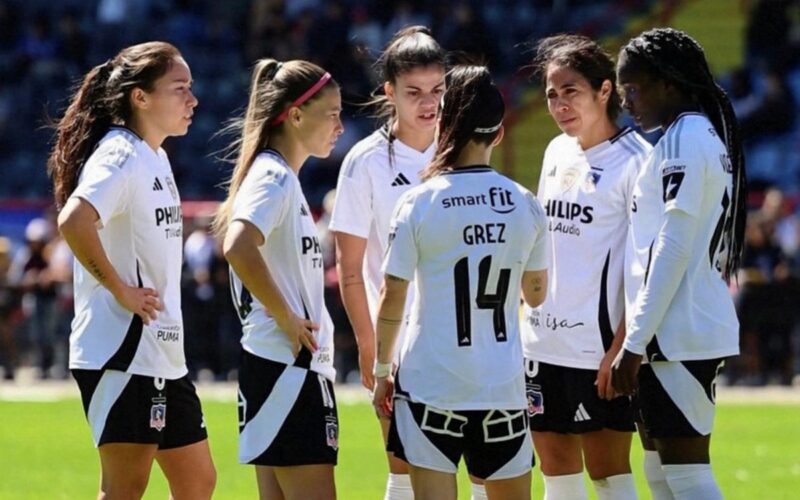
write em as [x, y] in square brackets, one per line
[685, 241]
[120, 213]
[288, 424]
[468, 238]
[569, 341]
[374, 174]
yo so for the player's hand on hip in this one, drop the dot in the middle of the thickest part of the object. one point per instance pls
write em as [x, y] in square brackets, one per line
[625, 372]
[382, 397]
[300, 332]
[143, 302]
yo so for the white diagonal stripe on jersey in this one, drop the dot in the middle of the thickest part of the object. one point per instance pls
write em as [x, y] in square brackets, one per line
[107, 392]
[687, 394]
[259, 432]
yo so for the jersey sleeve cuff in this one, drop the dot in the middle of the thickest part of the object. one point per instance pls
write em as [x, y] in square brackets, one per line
[387, 270]
[351, 229]
[102, 215]
[634, 347]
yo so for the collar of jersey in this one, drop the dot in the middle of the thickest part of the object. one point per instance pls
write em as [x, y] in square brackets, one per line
[402, 145]
[277, 155]
[597, 151]
[469, 169]
[682, 116]
[126, 129]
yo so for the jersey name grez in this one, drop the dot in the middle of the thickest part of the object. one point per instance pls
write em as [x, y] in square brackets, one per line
[499, 200]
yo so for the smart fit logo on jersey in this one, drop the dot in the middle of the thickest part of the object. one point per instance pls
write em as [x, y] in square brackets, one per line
[498, 199]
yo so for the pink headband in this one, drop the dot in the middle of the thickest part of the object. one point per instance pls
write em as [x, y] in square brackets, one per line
[303, 98]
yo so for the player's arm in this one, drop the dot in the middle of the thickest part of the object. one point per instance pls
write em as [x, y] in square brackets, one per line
[605, 389]
[241, 250]
[77, 223]
[534, 287]
[390, 317]
[350, 251]
[667, 268]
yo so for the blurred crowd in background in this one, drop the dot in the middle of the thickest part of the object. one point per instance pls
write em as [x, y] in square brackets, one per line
[45, 47]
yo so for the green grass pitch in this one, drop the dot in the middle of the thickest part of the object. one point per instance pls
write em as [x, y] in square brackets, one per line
[46, 453]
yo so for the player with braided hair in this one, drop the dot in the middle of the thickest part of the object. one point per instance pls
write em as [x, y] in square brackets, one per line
[685, 241]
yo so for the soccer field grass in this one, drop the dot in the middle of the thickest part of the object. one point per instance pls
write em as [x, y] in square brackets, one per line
[47, 453]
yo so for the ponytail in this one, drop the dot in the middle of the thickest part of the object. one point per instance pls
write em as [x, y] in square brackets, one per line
[83, 125]
[275, 87]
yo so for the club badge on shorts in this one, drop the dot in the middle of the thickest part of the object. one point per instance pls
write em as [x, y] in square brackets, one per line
[158, 414]
[535, 400]
[332, 432]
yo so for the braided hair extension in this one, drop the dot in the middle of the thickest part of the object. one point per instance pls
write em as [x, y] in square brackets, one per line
[675, 57]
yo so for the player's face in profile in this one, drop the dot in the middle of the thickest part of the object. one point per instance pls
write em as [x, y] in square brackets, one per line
[171, 103]
[416, 95]
[642, 96]
[574, 105]
[320, 122]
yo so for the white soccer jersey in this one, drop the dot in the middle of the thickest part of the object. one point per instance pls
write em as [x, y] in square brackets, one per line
[272, 200]
[370, 183]
[133, 191]
[465, 238]
[688, 170]
[586, 195]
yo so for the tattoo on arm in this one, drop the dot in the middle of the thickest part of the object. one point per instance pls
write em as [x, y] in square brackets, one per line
[389, 321]
[96, 272]
[353, 279]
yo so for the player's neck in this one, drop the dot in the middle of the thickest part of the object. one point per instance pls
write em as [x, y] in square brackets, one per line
[149, 134]
[599, 134]
[473, 154]
[292, 150]
[420, 140]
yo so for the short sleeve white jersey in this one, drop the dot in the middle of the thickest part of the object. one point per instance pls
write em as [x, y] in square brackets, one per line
[688, 170]
[132, 188]
[465, 238]
[585, 194]
[370, 182]
[272, 200]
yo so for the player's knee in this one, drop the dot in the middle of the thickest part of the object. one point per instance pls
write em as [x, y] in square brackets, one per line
[556, 461]
[203, 484]
[608, 465]
[208, 482]
[129, 488]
